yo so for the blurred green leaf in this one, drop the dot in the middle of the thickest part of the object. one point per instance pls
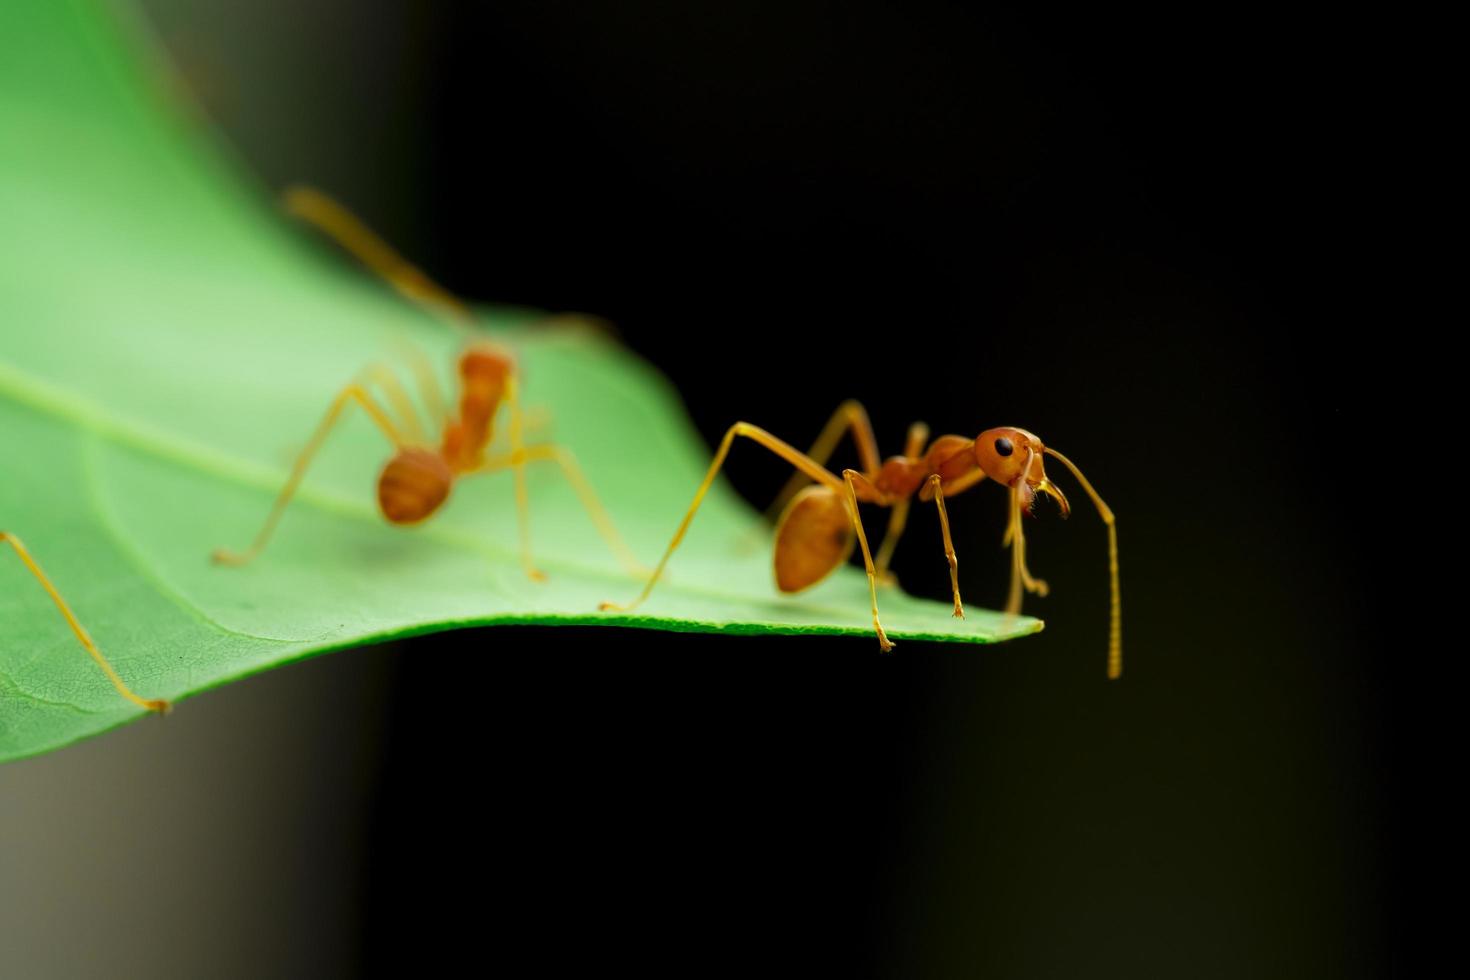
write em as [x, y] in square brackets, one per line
[167, 342]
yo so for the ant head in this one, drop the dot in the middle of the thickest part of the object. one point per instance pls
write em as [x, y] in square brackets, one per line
[1013, 458]
[485, 363]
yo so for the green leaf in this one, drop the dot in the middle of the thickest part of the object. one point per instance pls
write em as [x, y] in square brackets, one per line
[168, 342]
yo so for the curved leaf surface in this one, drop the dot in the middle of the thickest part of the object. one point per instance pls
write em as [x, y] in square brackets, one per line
[168, 342]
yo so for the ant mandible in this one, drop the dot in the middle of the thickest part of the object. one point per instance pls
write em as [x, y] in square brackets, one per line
[815, 530]
[157, 705]
[417, 480]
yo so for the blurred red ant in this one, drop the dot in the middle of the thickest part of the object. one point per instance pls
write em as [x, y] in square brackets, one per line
[815, 531]
[416, 481]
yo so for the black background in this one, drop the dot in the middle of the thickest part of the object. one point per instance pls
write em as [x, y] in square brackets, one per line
[1146, 239]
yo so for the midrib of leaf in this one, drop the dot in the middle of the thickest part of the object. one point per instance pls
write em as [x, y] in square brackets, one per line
[61, 404]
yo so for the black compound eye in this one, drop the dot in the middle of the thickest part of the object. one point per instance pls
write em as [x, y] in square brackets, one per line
[1004, 446]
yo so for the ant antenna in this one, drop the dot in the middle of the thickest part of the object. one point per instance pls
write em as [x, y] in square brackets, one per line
[1115, 623]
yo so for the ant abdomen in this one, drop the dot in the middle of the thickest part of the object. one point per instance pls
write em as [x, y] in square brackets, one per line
[413, 485]
[814, 536]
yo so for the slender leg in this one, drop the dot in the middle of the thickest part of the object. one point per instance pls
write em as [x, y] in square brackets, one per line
[408, 417]
[573, 472]
[428, 382]
[1015, 537]
[850, 415]
[151, 704]
[1017, 542]
[914, 444]
[518, 465]
[537, 419]
[898, 519]
[1021, 576]
[352, 393]
[348, 231]
[851, 477]
[783, 449]
[588, 324]
[1115, 618]
[954, 569]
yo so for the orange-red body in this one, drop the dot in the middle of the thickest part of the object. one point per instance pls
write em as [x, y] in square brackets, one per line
[819, 523]
[814, 535]
[416, 481]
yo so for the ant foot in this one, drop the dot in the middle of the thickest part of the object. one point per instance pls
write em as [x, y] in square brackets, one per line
[886, 579]
[959, 611]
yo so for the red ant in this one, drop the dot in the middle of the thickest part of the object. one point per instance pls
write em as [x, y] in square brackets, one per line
[814, 533]
[418, 478]
[151, 704]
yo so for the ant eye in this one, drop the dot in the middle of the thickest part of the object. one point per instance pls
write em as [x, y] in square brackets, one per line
[1004, 447]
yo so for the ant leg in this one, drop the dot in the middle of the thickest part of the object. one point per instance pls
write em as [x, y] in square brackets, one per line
[896, 522]
[851, 477]
[1017, 543]
[518, 465]
[1021, 576]
[428, 382]
[785, 450]
[1016, 539]
[912, 447]
[537, 419]
[347, 230]
[352, 393]
[954, 570]
[564, 458]
[585, 324]
[850, 415]
[151, 704]
[382, 375]
[914, 444]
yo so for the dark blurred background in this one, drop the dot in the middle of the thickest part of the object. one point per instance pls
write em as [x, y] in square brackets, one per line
[1142, 238]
